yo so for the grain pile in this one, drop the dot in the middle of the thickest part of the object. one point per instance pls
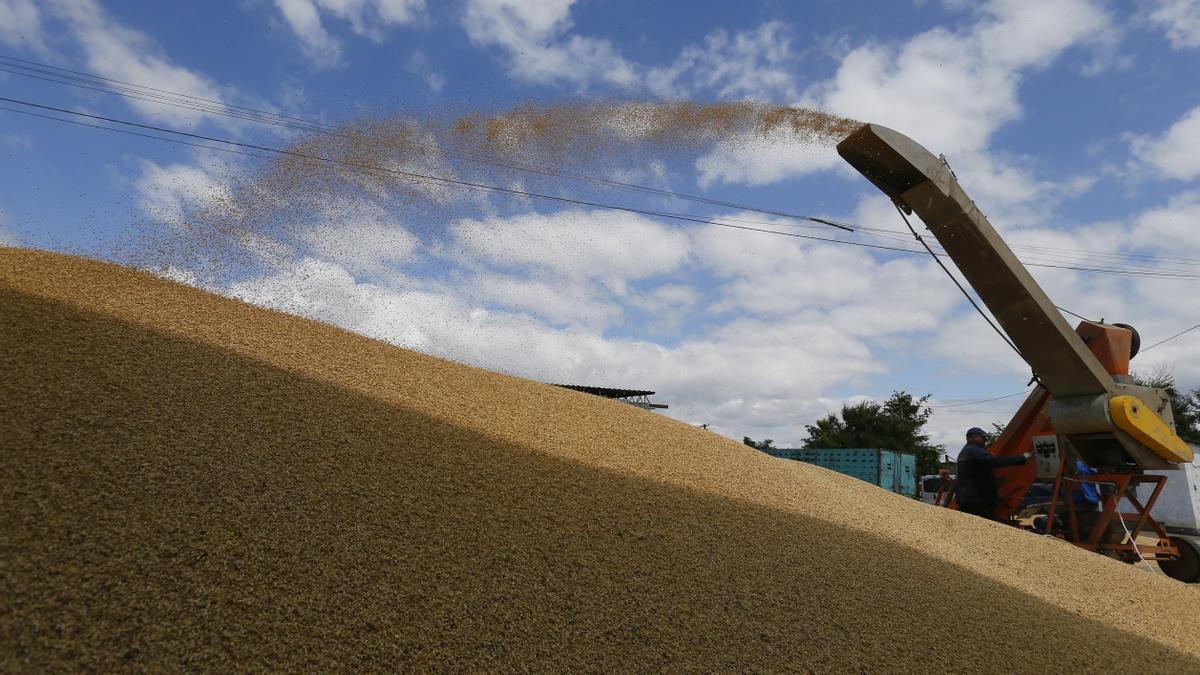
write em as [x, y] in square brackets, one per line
[192, 482]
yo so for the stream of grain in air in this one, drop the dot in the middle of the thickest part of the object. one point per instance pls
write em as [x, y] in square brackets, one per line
[331, 187]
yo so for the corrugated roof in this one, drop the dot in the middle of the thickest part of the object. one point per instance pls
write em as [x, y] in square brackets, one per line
[606, 392]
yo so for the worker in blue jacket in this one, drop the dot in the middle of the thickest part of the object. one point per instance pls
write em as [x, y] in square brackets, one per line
[975, 488]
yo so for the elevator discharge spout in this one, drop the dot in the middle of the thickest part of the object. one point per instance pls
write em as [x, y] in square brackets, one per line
[1111, 423]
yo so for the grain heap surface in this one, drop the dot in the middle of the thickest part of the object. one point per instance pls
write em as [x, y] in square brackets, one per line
[193, 482]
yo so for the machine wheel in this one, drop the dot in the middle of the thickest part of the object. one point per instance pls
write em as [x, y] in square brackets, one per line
[1136, 345]
[1186, 567]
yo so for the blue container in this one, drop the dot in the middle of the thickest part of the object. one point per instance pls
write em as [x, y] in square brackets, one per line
[890, 470]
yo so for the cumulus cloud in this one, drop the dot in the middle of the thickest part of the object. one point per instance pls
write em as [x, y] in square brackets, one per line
[610, 247]
[557, 301]
[167, 192]
[539, 47]
[773, 325]
[7, 238]
[954, 89]
[21, 25]
[739, 376]
[1174, 154]
[1179, 19]
[367, 18]
[420, 65]
[534, 37]
[949, 89]
[361, 235]
[116, 51]
[757, 63]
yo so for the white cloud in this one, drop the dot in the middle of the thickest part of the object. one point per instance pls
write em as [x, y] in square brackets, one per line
[539, 47]
[367, 18]
[420, 66]
[304, 20]
[534, 37]
[21, 25]
[361, 236]
[7, 238]
[756, 63]
[1175, 154]
[951, 90]
[535, 295]
[762, 159]
[119, 52]
[1179, 19]
[576, 303]
[1174, 228]
[17, 141]
[168, 192]
[740, 376]
[610, 247]
[666, 306]
[841, 286]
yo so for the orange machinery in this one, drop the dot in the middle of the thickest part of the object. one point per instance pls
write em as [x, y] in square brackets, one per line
[1085, 407]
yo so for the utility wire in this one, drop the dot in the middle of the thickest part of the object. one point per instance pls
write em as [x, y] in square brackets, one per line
[982, 400]
[721, 222]
[59, 75]
[216, 107]
[407, 174]
[1181, 334]
[1020, 393]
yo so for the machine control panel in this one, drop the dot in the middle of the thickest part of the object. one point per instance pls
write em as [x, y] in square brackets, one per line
[1046, 455]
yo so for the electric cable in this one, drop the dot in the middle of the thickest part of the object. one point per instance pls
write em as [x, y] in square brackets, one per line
[1180, 334]
[59, 75]
[216, 107]
[722, 222]
[407, 174]
[982, 400]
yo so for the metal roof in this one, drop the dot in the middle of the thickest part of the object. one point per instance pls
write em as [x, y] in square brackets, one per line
[606, 392]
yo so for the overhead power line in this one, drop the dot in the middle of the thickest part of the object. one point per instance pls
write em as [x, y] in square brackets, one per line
[1179, 334]
[982, 400]
[65, 76]
[721, 222]
[75, 78]
[1026, 392]
[380, 169]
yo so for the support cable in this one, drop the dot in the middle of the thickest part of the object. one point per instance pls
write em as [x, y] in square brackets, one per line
[966, 294]
[1181, 334]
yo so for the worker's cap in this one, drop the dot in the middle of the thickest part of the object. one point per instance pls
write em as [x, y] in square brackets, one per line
[975, 431]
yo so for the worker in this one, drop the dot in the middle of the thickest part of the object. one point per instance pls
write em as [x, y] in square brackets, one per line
[976, 486]
[1088, 495]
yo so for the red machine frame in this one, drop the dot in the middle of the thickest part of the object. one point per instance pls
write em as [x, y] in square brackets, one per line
[1111, 345]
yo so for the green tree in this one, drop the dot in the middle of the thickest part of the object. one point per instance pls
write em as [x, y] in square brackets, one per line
[897, 423]
[995, 433]
[1185, 406]
[769, 443]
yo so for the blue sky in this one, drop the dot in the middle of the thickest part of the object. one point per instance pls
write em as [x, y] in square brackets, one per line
[1074, 124]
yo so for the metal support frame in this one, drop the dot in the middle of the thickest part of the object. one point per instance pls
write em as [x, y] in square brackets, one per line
[1121, 484]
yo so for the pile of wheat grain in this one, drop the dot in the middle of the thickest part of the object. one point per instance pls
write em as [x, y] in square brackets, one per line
[192, 482]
